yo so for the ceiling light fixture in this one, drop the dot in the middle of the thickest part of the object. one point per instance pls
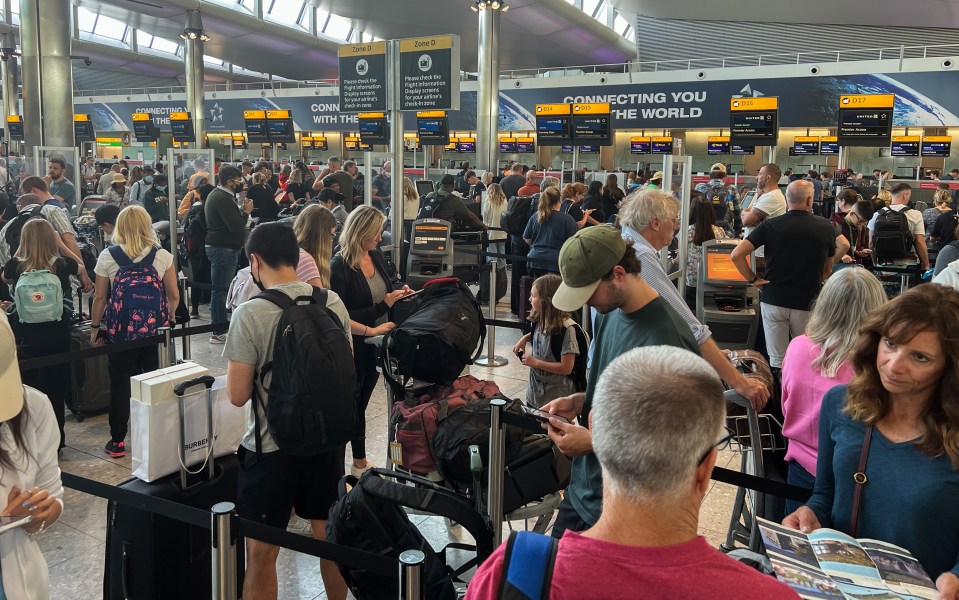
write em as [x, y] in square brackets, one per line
[473, 8]
[194, 28]
[480, 5]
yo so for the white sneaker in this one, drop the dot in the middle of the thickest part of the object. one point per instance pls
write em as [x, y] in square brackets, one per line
[218, 338]
[357, 472]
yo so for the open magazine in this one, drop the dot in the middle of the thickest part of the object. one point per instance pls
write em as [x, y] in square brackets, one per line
[830, 564]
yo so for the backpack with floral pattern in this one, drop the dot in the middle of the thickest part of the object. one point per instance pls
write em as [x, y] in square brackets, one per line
[137, 307]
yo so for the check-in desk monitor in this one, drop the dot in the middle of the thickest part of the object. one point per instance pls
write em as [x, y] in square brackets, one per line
[431, 252]
[725, 301]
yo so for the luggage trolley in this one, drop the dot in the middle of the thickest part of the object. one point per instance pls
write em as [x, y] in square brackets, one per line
[753, 434]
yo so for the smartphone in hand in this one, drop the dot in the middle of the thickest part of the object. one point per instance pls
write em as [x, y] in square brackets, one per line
[542, 415]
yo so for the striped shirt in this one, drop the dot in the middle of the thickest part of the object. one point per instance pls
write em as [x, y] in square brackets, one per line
[654, 274]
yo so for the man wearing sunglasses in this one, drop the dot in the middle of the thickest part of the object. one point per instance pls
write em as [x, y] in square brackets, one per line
[656, 462]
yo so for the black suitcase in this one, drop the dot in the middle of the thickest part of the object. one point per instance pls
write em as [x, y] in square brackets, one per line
[153, 557]
[89, 379]
[502, 284]
[525, 287]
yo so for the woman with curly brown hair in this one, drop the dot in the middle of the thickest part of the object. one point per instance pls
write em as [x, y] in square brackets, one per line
[901, 414]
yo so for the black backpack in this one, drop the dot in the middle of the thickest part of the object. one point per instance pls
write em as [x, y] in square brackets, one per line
[891, 237]
[194, 233]
[516, 216]
[430, 203]
[311, 405]
[442, 334]
[370, 518]
[718, 198]
[582, 359]
[12, 236]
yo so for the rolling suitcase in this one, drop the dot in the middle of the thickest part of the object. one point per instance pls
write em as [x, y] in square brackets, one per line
[89, 379]
[501, 285]
[525, 287]
[153, 557]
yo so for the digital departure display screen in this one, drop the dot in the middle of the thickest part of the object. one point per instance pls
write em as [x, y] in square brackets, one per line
[374, 131]
[507, 147]
[83, 131]
[525, 147]
[662, 147]
[754, 127]
[828, 148]
[433, 131]
[466, 147]
[144, 131]
[743, 150]
[589, 149]
[940, 149]
[566, 149]
[639, 147]
[717, 147]
[904, 149]
[182, 130]
[281, 131]
[16, 130]
[869, 127]
[320, 143]
[554, 130]
[805, 148]
[239, 143]
[256, 131]
[592, 128]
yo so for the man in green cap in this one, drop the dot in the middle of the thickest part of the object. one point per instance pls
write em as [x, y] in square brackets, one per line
[601, 270]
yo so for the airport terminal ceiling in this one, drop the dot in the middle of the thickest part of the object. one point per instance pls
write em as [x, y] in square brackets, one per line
[915, 13]
[535, 34]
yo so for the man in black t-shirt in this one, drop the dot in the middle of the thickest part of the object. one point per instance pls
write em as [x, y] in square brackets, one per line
[801, 249]
[513, 181]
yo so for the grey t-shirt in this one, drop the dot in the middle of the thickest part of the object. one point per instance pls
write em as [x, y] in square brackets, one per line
[543, 386]
[250, 341]
[378, 290]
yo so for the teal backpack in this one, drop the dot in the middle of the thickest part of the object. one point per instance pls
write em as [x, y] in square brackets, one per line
[38, 297]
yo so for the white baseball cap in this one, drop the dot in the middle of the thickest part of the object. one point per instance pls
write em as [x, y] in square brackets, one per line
[11, 386]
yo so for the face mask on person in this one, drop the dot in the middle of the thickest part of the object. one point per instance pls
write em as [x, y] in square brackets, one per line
[256, 281]
[161, 189]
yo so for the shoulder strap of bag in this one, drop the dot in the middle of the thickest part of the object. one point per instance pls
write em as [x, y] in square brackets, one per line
[860, 478]
[528, 566]
[119, 256]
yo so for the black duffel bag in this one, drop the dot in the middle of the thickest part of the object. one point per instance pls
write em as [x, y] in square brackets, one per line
[444, 332]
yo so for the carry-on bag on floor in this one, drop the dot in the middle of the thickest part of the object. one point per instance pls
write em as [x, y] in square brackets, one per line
[537, 470]
[153, 557]
[370, 517]
[502, 285]
[525, 288]
[89, 378]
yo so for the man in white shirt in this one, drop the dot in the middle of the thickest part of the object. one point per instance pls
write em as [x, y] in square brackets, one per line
[771, 202]
[900, 199]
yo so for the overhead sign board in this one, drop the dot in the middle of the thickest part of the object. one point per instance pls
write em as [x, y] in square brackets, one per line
[828, 145]
[905, 145]
[83, 128]
[754, 121]
[432, 128]
[662, 145]
[182, 125]
[639, 145]
[15, 126]
[865, 120]
[363, 81]
[144, 130]
[591, 123]
[430, 73]
[553, 124]
[805, 145]
[717, 144]
[936, 145]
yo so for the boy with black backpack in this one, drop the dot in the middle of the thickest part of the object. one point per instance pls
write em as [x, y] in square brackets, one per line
[896, 232]
[298, 419]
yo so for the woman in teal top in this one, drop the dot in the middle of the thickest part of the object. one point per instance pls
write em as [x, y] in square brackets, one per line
[906, 388]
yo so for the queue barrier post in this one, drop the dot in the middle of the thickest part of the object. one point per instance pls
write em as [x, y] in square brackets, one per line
[223, 541]
[184, 293]
[165, 347]
[411, 574]
[497, 464]
[490, 359]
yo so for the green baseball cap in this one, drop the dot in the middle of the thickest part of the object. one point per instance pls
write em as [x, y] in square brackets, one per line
[583, 261]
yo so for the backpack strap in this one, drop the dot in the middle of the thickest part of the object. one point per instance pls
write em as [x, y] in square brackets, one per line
[528, 566]
[119, 256]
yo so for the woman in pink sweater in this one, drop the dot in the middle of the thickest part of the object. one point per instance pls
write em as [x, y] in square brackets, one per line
[817, 361]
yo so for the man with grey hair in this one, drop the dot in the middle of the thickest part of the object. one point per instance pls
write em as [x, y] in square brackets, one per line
[801, 249]
[656, 464]
[650, 219]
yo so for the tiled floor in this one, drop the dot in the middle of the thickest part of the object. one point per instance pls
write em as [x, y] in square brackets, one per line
[75, 546]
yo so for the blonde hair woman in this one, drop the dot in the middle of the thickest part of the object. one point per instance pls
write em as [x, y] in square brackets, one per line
[494, 205]
[135, 243]
[315, 229]
[411, 200]
[38, 251]
[359, 277]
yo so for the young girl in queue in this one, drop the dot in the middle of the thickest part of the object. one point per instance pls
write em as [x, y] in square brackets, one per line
[137, 243]
[359, 277]
[46, 336]
[550, 376]
[894, 433]
[29, 476]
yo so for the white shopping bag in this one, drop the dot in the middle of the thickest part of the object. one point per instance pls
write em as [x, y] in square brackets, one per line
[155, 431]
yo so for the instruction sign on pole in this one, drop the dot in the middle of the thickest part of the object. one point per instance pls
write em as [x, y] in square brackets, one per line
[430, 73]
[363, 81]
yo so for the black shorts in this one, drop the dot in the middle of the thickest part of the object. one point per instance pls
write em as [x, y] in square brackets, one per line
[272, 484]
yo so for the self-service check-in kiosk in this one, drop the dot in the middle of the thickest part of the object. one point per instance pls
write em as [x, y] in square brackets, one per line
[431, 252]
[725, 301]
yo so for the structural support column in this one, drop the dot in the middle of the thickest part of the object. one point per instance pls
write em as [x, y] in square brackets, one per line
[397, 201]
[487, 110]
[194, 70]
[10, 75]
[47, 72]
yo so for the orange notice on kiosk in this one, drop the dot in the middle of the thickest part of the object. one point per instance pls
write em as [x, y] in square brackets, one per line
[719, 267]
